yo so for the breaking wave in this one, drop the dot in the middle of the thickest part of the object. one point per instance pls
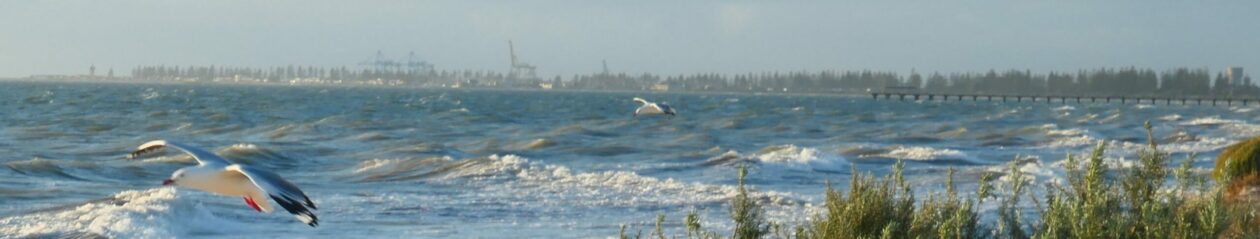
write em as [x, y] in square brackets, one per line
[888, 154]
[1210, 121]
[153, 213]
[520, 175]
[783, 156]
[923, 153]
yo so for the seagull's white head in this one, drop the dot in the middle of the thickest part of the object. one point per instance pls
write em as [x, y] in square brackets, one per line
[175, 178]
[185, 176]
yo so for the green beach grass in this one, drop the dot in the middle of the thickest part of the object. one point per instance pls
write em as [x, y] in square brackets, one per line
[1152, 199]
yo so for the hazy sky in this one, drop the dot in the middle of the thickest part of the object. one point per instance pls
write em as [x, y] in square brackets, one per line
[668, 37]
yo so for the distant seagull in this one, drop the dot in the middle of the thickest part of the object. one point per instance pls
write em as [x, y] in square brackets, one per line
[649, 108]
[217, 175]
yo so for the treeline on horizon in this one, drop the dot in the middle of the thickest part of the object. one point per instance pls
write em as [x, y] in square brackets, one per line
[1129, 81]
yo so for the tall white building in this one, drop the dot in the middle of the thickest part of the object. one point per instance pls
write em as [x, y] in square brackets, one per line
[1235, 75]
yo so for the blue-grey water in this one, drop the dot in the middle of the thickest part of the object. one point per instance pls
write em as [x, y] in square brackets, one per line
[405, 163]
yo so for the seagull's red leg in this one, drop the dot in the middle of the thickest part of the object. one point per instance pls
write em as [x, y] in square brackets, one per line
[252, 204]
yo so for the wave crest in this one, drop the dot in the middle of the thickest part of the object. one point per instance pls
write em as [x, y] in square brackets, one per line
[153, 213]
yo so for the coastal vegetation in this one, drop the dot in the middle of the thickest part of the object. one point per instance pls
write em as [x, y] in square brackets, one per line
[1151, 199]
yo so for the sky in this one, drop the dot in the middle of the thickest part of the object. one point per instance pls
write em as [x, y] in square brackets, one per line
[660, 37]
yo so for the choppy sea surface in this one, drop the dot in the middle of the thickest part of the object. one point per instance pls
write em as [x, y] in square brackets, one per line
[405, 163]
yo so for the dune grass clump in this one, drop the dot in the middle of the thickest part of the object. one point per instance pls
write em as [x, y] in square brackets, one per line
[886, 208]
[1239, 159]
[749, 218]
[1095, 201]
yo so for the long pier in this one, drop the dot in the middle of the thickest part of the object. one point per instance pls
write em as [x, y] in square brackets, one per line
[1064, 99]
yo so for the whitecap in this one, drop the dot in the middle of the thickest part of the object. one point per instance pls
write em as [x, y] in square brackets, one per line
[1066, 132]
[1208, 121]
[1243, 130]
[598, 189]
[1030, 166]
[395, 169]
[1172, 117]
[787, 154]
[1110, 119]
[1203, 144]
[923, 153]
[1069, 142]
[150, 94]
[1087, 118]
[153, 213]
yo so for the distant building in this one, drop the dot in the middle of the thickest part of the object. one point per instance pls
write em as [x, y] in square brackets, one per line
[660, 87]
[1235, 75]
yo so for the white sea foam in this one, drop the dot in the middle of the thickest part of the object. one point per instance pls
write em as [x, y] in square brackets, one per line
[787, 154]
[1171, 117]
[510, 178]
[1065, 108]
[1087, 118]
[1204, 144]
[606, 188]
[150, 94]
[1054, 131]
[1214, 120]
[1071, 142]
[1049, 126]
[153, 213]
[1110, 119]
[799, 158]
[1111, 163]
[1242, 130]
[922, 153]
[1030, 166]
[1066, 132]
[374, 164]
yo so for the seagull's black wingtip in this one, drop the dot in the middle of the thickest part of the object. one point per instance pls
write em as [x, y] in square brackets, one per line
[297, 209]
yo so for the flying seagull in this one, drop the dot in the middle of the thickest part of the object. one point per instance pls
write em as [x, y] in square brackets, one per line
[649, 108]
[217, 175]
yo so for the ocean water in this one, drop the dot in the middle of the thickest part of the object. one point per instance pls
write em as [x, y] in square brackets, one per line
[397, 163]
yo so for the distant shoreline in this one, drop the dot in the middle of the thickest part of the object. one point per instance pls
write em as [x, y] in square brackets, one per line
[349, 85]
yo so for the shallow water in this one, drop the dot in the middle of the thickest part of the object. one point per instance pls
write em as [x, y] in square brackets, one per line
[468, 163]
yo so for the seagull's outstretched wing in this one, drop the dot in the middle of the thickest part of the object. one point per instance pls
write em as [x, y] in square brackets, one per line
[641, 101]
[202, 156]
[281, 191]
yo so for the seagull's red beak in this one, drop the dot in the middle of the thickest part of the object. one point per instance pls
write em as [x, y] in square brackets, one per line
[167, 182]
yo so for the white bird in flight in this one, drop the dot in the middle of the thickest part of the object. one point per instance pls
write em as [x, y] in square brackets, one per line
[216, 175]
[649, 108]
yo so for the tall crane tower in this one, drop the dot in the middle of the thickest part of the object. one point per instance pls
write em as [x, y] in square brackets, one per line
[520, 70]
[415, 65]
